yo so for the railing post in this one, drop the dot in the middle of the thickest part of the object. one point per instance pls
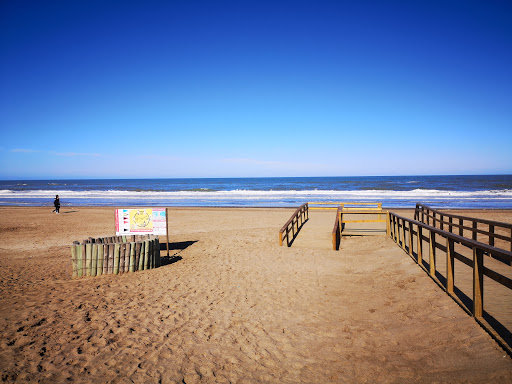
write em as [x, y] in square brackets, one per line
[432, 253]
[410, 239]
[474, 230]
[280, 238]
[450, 265]
[442, 223]
[461, 229]
[399, 233]
[478, 282]
[394, 229]
[491, 235]
[420, 246]
[388, 225]
[450, 226]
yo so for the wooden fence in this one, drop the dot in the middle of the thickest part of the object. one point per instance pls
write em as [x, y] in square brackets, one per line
[484, 231]
[115, 255]
[409, 235]
[294, 224]
[361, 206]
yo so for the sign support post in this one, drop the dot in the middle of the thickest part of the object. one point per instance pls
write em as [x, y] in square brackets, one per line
[167, 228]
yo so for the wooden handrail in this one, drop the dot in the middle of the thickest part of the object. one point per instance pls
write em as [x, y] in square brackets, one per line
[402, 228]
[300, 215]
[422, 211]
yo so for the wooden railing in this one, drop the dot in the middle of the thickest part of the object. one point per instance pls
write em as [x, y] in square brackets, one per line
[457, 224]
[326, 205]
[409, 235]
[361, 206]
[294, 224]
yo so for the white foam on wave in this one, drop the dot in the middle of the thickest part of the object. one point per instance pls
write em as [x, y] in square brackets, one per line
[260, 195]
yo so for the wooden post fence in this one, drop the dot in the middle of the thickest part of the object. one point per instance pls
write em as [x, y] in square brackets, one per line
[115, 255]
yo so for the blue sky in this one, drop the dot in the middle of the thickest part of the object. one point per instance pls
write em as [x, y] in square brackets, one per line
[128, 89]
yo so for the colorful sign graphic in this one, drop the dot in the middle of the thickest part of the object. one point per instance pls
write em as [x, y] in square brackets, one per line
[139, 221]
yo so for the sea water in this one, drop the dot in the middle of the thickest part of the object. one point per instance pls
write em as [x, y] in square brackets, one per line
[476, 191]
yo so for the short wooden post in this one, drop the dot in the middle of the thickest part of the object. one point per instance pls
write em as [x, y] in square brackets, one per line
[111, 258]
[79, 260]
[474, 230]
[138, 247]
[419, 257]
[127, 251]
[158, 259]
[280, 239]
[94, 260]
[132, 257]
[88, 259]
[99, 265]
[388, 225]
[491, 235]
[122, 250]
[478, 282]
[73, 261]
[151, 254]
[432, 253]
[106, 252]
[141, 256]
[146, 254]
[450, 226]
[117, 254]
[450, 265]
[84, 258]
[461, 227]
[410, 238]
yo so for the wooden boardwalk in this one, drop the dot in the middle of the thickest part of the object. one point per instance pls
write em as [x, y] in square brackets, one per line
[317, 231]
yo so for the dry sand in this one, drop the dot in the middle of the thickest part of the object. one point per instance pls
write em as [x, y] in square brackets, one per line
[232, 307]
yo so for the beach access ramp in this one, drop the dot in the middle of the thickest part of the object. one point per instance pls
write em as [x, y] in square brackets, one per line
[321, 225]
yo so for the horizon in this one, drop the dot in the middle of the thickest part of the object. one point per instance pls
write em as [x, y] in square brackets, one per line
[159, 90]
[262, 177]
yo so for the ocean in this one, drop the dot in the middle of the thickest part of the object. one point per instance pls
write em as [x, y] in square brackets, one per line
[477, 191]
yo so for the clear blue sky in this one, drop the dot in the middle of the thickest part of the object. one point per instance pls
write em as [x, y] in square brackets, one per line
[254, 88]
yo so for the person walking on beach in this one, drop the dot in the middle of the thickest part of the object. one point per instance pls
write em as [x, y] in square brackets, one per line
[56, 202]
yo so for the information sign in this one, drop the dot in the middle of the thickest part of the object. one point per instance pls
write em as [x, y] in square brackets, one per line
[141, 221]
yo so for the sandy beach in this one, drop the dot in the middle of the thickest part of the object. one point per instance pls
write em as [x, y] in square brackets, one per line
[230, 306]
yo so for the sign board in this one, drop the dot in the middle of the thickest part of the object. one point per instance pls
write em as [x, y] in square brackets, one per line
[141, 221]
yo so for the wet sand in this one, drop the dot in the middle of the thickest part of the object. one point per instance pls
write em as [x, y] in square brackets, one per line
[230, 305]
